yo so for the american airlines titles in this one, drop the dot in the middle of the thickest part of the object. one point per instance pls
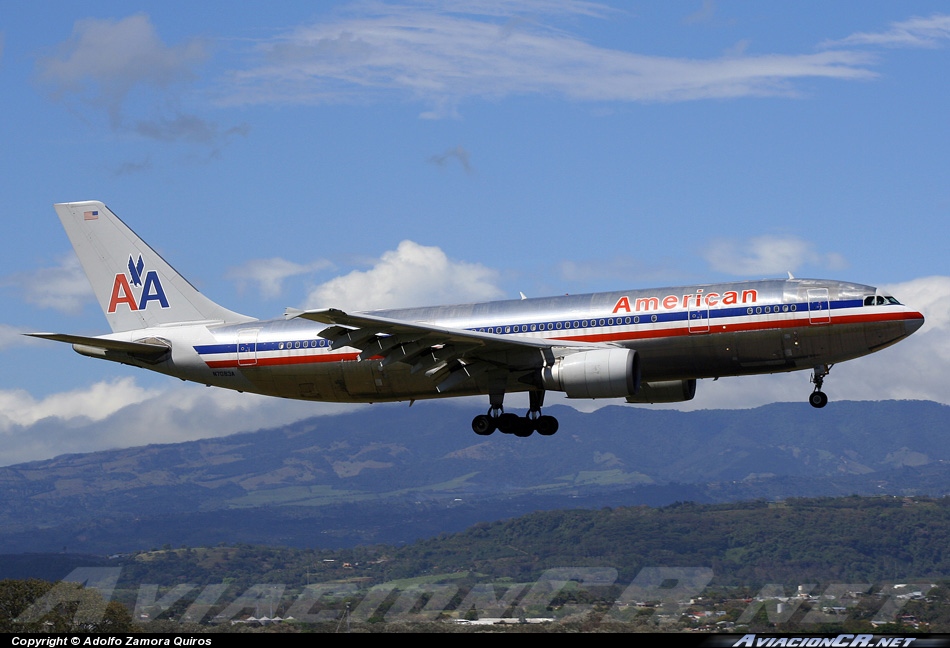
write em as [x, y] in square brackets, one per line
[695, 300]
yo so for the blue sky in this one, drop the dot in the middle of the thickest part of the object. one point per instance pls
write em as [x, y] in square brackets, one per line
[374, 154]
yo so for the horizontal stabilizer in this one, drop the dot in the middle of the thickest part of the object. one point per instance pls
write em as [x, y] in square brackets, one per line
[144, 349]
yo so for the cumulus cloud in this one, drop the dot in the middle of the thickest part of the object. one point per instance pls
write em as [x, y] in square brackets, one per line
[929, 295]
[63, 287]
[918, 367]
[12, 336]
[442, 55]
[269, 274]
[120, 414]
[915, 32]
[410, 275]
[94, 403]
[767, 255]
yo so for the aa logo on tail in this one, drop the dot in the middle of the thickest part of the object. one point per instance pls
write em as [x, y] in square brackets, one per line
[149, 288]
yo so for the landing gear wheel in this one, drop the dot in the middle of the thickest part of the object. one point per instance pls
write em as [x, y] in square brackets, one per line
[524, 427]
[546, 425]
[508, 423]
[520, 426]
[483, 425]
[818, 398]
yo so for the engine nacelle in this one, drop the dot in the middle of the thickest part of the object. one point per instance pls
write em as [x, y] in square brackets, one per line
[665, 391]
[601, 373]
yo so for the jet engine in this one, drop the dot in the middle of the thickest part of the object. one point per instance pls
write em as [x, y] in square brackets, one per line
[599, 373]
[665, 391]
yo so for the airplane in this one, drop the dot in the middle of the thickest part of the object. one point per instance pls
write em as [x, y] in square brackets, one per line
[645, 346]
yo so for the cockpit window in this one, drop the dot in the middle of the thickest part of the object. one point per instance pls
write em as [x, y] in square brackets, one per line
[879, 300]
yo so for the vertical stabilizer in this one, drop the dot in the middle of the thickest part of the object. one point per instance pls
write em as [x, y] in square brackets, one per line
[135, 286]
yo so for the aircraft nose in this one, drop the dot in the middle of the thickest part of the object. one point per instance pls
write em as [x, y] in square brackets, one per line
[913, 322]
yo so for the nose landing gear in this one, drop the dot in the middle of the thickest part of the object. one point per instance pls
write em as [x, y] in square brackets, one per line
[818, 398]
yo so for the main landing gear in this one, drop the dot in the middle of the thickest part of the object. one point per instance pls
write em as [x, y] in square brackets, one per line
[521, 426]
[818, 397]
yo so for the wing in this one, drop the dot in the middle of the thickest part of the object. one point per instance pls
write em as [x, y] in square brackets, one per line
[447, 355]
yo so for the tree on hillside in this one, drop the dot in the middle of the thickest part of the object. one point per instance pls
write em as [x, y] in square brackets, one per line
[40, 606]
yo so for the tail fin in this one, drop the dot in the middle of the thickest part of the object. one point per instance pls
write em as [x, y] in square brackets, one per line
[136, 287]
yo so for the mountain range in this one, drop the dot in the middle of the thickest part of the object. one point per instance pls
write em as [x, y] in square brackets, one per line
[392, 474]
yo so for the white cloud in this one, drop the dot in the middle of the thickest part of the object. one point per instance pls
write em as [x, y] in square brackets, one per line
[123, 67]
[63, 287]
[929, 295]
[441, 57]
[410, 275]
[94, 403]
[767, 255]
[928, 33]
[105, 59]
[269, 274]
[12, 336]
[505, 8]
[120, 414]
[918, 367]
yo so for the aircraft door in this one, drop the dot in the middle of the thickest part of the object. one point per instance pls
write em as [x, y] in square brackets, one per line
[247, 347]
[698, 317]
[819, 306]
